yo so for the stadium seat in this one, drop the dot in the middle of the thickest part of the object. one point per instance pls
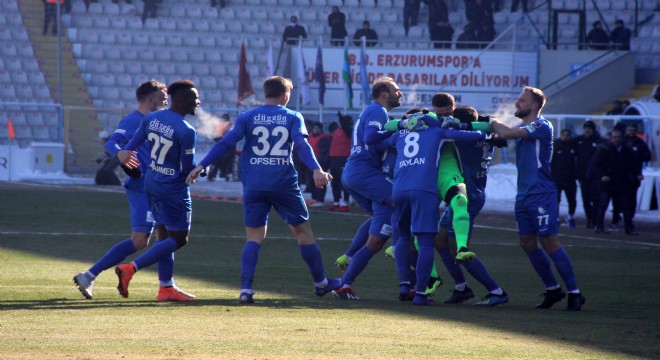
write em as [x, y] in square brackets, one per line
[192, 40]
[111, 9]
[23, 132]
[397, 32]
[218, 69]
[211, 14]
[257, 42]
[390, 16]
[243, 13]
[19, 34]
[13, 63]
[212, 56]
[618, 5]
[134, 23]
[112, 53]
[194, 12]
[133, 67]
[271, 3]
[175, 40]
[227, 13]
[199, 69]
[117, 67]
[180, 56]
[129, 53]
[316, 29]
[655, 34]
[41, 92]
[92, 52]
[40, 133]
[101, 23]
[226, 82]
[309, 15]
[24, 92]
[358, 16]
[166, 68]
[7, 92]
[260, 15]
[230, 57]
[267, 27]
[168, 24]
[107, 38]
[276, 15]
[31, 64]
[78, 8]
[213, 97]
[218, 27]
[351, 4]
[235, 26]
[118, 23]
[95, 9]
[109, 93]
[287, 4]
[97, 66]
[184, 25]
[5, 34]
[251, 27]
[207, 41]
[141, 39]
[224, 41]
[201, 26]
[319, 3]
[209, 82]
[255, 3]
[147, 55]
[88, 36]
[152, 24]
[128, 9]
[34, 119]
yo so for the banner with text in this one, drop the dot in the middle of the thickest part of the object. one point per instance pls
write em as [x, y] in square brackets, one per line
[485, 82]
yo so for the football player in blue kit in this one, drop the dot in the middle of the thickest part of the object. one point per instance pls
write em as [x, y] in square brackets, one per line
[366, 182]
[536, 199]
[416, 200]
[475, 157]
[151, 96]
[270, 181]
[172, 156]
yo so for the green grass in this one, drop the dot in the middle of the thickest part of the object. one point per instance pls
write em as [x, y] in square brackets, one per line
[48, 234]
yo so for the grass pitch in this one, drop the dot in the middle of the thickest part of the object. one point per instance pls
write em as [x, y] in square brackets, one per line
[50, 233]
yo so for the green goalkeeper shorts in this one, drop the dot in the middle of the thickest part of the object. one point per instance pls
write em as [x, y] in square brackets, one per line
[449, 173]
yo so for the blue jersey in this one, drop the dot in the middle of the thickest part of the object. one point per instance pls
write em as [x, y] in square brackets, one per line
[475, 157]
[388, 158]
[122, 135]
[418, 157]
[533, 156]
[270, 133]
[373, 119]
[171, 142]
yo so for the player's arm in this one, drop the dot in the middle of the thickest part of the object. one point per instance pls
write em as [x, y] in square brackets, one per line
[508, 133]
[127, 155]
[306, 153]
[220, 148]
[187, 154]
[464, 135]
[115, 142]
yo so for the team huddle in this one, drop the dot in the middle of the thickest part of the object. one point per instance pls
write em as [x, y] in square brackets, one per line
[399, 172]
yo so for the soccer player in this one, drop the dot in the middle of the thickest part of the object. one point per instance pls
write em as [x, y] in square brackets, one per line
[172, 156]
[416, 201]
[365, 180]
[151, 96]
[475, 157]
[270, 181]
[536, 201]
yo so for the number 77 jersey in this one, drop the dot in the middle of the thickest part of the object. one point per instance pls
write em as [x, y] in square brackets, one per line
[270, 132]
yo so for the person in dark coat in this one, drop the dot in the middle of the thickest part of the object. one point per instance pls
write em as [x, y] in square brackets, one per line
[620, 36]
[585, 148]
[597, 37]
[337, 23]
[562, 169]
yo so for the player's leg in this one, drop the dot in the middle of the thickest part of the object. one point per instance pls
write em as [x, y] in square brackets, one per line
[291, 207]
[571, 194]
[424, 225]
[362, 234]
[401, 217]
[447, 250]
[434, 280]
[142, 224]
[457, 198]
[255, 212]
[528, 218]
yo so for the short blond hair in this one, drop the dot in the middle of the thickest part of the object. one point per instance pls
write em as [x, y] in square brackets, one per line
[537, 95]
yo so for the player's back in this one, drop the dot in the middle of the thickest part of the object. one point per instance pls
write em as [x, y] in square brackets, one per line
[533, 156]
[418, 155]
[374, 116]
[170, 139]
[475, 157]
[266, 161]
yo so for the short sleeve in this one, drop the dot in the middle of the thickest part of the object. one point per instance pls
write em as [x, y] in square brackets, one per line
[538, 130]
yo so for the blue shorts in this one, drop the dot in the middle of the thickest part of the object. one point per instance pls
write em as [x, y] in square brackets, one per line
[416, 211]
[474, 207]
[142, 220]
[536, 214]
[289, 204]
[173, 209]
[372, 190]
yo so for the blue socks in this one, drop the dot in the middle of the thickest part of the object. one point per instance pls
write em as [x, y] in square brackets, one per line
[402, 258]
[359, 262]
[312, 256]
[565, 269]
[166, 270]
[541, 264]
[157, 252]
[114, 256]
[249, 259]
[425, 258]
[360, 238]
[452, 266]
[478, 271]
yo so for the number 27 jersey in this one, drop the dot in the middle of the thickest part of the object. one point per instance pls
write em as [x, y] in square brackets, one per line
[266, 161]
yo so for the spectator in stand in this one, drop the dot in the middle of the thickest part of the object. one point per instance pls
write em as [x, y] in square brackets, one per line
[214, 3]
[440, 31]
[624, 105]
[597, 38]
[340, 150]
[616, 108]
[293, 31]
[620, 36]
[468, 39]
[611, 168]
[225, 164]
[514, 5]
[640, 153]
[585, 148]
[337, 23]
[319, 140]
[127, 1]
[485, 34]
[479, 12]
[150, 9]
[50, 13]
[410, 13]
[367, 32]
[562, 169]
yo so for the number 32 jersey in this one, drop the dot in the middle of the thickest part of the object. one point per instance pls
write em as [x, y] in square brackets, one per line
[270, 132]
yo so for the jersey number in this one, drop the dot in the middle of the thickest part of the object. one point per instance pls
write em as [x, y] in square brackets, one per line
[543, 219]
[412, 147]
[278, 149]
[160, 148]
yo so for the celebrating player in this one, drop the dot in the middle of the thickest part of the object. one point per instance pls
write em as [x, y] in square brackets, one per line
[536, 201]
[151, 96]
[270, 180]
[172, 148]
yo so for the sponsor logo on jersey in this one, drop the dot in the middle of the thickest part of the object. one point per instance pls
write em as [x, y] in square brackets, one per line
[190, 151]
[376, 124]
[541, 210]
[165, 130]
[263, 119]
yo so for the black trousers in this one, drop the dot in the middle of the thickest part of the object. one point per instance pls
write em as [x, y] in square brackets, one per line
[570, 189]
[50, 11]
[616, 196]
[590, 196]
[337, 164]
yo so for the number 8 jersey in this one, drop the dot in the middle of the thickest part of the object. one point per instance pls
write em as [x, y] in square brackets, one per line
[270, 132]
